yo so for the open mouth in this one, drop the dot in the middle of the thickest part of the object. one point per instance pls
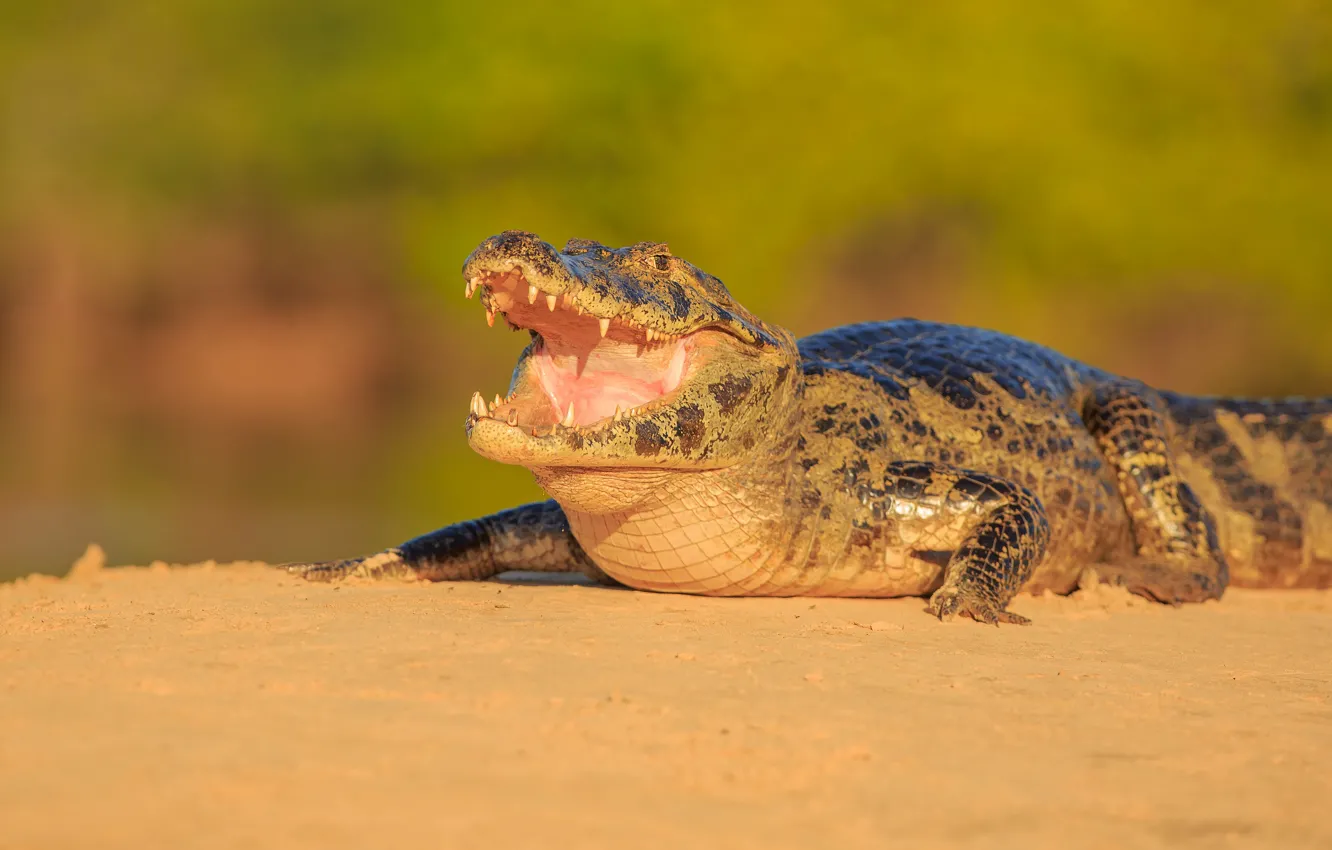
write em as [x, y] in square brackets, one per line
[582, 370]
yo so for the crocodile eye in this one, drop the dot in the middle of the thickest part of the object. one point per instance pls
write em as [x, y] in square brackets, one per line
[661, 261]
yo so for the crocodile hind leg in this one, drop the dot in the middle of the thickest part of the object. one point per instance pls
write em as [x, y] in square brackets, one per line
[999, 553]
[1179, 558]
[529, 537]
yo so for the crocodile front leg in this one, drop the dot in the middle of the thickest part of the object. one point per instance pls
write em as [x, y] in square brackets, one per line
[529, 537]
[1179, 558]
[998, 554]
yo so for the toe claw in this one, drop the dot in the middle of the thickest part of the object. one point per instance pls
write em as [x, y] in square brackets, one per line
[944, 602]
[949, 601]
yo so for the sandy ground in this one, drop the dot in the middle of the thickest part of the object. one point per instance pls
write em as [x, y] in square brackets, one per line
[236, 707]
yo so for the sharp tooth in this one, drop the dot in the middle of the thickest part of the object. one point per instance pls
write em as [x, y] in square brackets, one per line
[568, 416]
[513, 417]
[497, 402]
[616, 417]
[490, 317]
[550, 303]
[532, 294]
[478, 405]
[605, 327]
[650, 334]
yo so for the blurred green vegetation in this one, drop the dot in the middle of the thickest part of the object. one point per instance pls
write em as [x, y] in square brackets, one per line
[1146, 186]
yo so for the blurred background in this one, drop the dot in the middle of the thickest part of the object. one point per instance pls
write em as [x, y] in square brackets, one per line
[231, 319]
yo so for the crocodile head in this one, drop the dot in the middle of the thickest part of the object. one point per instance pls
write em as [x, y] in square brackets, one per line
[638, 361]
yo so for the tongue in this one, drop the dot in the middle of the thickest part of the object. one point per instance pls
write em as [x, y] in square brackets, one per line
[601, 388]
[596, 395]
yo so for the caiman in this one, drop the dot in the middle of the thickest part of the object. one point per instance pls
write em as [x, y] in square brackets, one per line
[689, 446]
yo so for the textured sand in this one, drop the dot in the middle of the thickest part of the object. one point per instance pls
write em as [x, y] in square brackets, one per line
[236, 707]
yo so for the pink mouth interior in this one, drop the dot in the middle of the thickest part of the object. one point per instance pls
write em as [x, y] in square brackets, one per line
[613, 375]
[574, 364]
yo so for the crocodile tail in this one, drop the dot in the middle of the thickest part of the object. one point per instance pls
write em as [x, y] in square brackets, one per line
[1264, 470]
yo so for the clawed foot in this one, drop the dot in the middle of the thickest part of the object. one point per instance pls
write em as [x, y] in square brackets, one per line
[321, 570]
[1163, 581]
[381, 565]
[951, 600]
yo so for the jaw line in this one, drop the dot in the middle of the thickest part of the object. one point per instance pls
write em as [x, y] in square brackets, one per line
[502, 443]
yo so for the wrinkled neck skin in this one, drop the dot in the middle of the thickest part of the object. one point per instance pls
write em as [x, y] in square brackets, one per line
[711, 531]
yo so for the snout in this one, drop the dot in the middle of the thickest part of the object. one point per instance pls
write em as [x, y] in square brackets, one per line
[512, 248]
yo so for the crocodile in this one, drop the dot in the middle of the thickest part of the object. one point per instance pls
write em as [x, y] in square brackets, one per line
[689, 446]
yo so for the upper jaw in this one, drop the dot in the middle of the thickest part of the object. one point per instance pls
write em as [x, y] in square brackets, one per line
[525, 299]
[530, 273]
[637, 286]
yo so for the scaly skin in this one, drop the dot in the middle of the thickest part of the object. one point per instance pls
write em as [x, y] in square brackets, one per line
[881, 459]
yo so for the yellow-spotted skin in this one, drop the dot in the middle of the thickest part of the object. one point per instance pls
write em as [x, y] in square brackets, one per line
[880, 459]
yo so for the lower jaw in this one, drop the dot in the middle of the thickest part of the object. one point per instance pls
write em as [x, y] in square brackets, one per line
[561, 449]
